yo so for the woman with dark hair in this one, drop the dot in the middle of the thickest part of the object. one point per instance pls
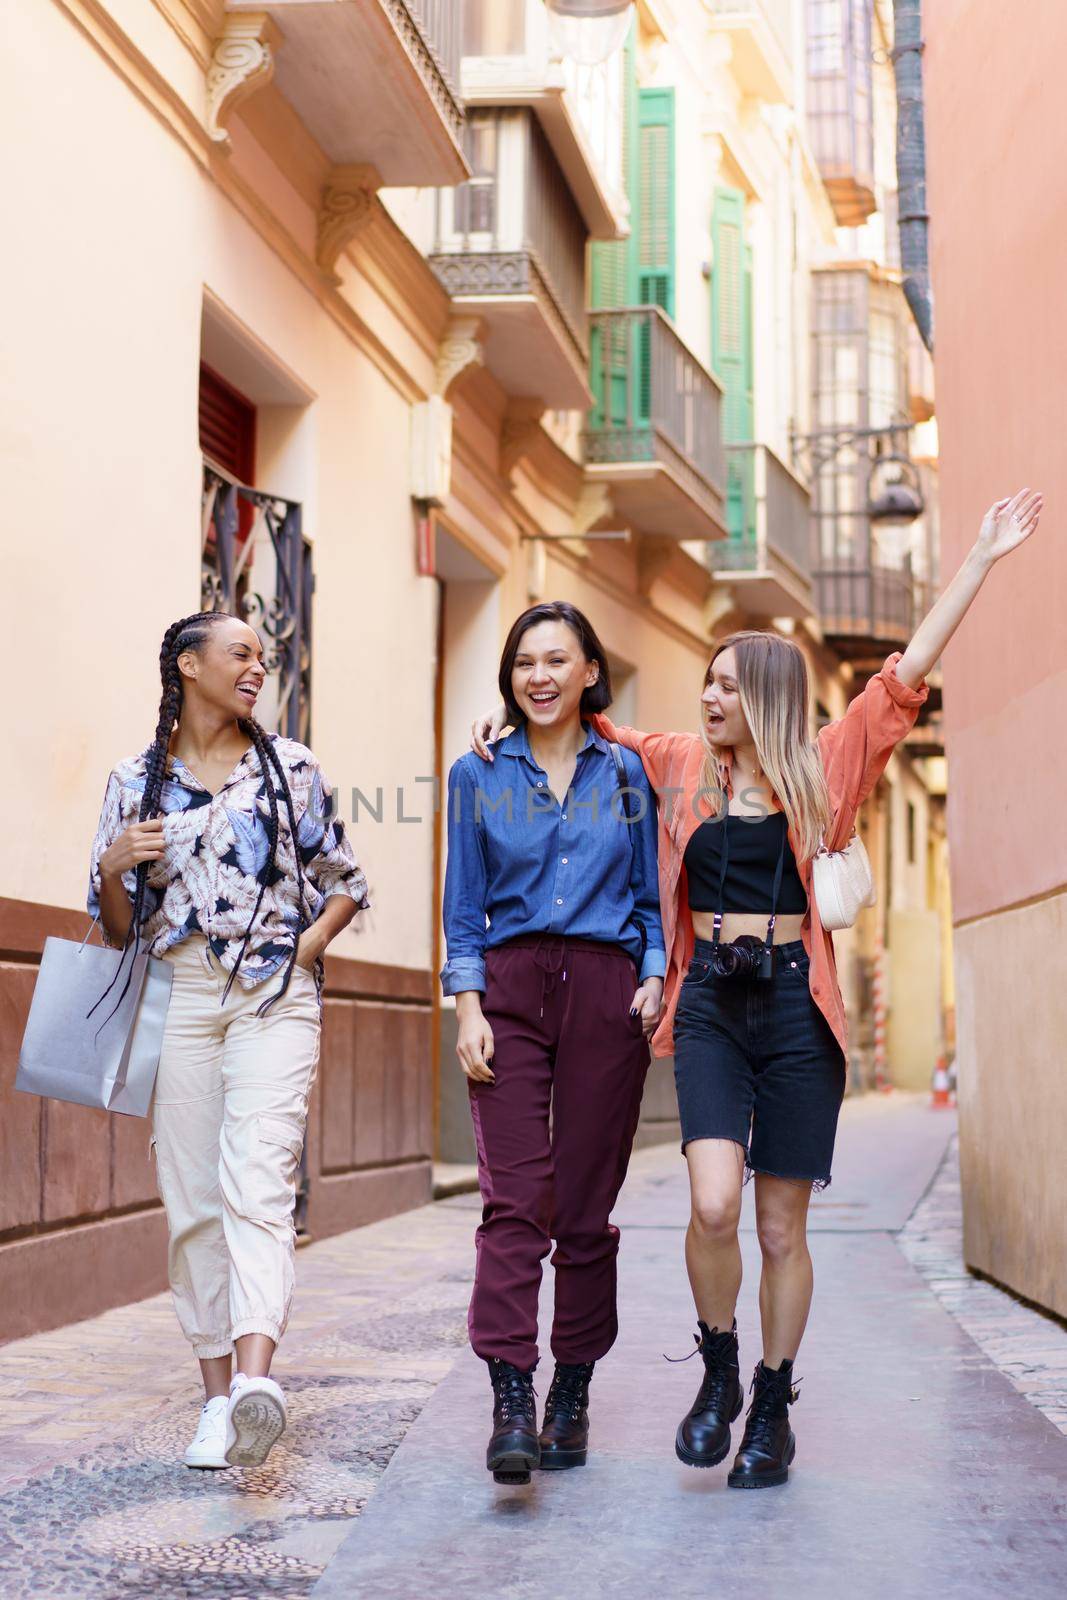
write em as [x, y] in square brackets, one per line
[754, 1015]
[192, 858]
[556, 957]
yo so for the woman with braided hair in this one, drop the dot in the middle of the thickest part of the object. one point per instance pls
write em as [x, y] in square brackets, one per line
[218, 851]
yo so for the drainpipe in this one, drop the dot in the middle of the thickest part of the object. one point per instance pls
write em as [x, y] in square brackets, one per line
[914, 218]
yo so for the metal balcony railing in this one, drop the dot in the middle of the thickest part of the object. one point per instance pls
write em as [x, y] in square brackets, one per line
[257, 566]
[479, 250]
[769, 512]
[651, 392]
[441, 24]
[867, 602]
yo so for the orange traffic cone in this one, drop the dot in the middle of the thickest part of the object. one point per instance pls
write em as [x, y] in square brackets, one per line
[941, 1097]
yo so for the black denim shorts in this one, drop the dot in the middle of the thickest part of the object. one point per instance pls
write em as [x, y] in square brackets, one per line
[756, 1061]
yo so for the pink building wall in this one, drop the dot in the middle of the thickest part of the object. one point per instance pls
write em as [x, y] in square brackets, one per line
[998, 206]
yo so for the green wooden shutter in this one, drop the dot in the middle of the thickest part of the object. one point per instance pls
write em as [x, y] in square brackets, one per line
[654, 227]
[613, 277]
[731, 349]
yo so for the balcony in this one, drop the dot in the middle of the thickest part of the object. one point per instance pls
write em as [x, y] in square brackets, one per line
[509, 61]
[766, 561]
[865, 611]
[927, 737]
[509, 246]
[376, 82]
[761, 40]
[839, 104]
[654, 435]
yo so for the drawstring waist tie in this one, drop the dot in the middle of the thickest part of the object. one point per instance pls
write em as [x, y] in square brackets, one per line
[551, 951]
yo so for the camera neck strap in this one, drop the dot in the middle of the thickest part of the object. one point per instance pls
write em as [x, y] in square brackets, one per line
[724, 857]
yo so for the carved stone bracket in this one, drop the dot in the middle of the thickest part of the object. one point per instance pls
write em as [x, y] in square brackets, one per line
[349, 201]
[460, 348]
[520, 434]
[719, 605]
[242, 62]
[591, 507]
[654, 556]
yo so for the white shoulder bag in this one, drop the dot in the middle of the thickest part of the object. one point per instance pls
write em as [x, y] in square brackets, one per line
[842, 883]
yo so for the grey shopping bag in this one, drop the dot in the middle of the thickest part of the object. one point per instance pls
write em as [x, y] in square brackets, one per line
[97, 1060]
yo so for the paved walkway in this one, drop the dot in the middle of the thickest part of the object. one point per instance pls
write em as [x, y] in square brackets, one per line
[906, 1431]
[921, 1472]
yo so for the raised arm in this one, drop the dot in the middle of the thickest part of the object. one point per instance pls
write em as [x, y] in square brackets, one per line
[1005, 526]
[855, 749]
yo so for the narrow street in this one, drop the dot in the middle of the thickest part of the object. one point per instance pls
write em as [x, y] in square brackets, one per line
[921, 1471]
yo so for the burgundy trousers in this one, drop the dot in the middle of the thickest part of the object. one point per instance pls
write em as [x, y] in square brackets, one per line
[554, 1133]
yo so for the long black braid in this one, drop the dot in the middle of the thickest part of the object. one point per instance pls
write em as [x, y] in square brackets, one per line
[268, 757]
[190, 633]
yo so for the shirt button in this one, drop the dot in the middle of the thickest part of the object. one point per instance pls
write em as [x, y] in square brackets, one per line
[540, 785]
[559, 902]
[564, 816]
[564, 860]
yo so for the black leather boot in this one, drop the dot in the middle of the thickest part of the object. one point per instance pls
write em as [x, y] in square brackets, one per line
[704, 1435]
[513, 1450]
[565, 1431]
[768, 1445]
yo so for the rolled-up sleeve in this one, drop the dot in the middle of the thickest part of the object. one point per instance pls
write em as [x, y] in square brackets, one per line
[108, 829]
[466, 880]
[333, 869]
[855, 749]
[644, 877]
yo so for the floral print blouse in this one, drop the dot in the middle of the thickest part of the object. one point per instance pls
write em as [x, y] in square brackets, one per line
[216, 857]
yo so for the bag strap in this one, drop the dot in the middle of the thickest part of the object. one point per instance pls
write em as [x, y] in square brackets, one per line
[92, 929]
[623, 781]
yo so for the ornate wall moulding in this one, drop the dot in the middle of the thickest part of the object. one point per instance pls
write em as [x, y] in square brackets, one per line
[349, 203]
[241, 63]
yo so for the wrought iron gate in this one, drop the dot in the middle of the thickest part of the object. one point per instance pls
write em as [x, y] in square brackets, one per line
[256, 563]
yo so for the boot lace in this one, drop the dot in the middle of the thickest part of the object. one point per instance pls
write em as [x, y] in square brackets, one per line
[712, 1396]
[514, 1393]
[769, 1402]
[566, 1393]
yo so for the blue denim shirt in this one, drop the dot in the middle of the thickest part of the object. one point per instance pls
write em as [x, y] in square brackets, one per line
[530, 865]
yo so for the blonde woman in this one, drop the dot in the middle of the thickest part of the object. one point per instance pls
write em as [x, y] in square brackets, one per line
[753, 1010]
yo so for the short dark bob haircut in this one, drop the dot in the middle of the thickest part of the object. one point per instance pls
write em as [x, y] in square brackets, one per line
[596, 698]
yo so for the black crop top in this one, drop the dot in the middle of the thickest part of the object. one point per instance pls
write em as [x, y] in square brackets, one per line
[754, 846]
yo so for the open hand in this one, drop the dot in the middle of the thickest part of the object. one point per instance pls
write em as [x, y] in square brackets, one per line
[1008, 523]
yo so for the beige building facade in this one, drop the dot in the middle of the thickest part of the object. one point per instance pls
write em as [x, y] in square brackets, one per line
[379, 321]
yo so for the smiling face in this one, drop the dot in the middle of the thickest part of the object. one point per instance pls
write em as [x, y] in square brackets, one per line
[227, 671]
[724, 721]
[550, 674]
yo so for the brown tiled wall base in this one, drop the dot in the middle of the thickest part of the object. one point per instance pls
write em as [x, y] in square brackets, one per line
[50, 1279]
[80, 1224]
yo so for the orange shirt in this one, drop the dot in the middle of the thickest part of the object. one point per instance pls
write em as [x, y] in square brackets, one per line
[854, 750]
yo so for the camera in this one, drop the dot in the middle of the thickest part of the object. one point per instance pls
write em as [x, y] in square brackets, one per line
[743, 958]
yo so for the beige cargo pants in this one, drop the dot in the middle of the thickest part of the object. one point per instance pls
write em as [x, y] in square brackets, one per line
[228, 1121]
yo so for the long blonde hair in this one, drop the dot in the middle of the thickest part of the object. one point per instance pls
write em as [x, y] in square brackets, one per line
[772, 683]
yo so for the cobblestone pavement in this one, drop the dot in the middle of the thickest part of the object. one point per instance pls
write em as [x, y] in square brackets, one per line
[94, 1501]
[1029, 1348]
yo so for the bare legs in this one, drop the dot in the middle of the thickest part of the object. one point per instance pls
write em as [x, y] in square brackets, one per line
[786, 1282]
[254, 1354]
[713, 1254]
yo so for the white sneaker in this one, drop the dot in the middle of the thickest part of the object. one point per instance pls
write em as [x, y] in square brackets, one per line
[208, 1449]
[255, 1420]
